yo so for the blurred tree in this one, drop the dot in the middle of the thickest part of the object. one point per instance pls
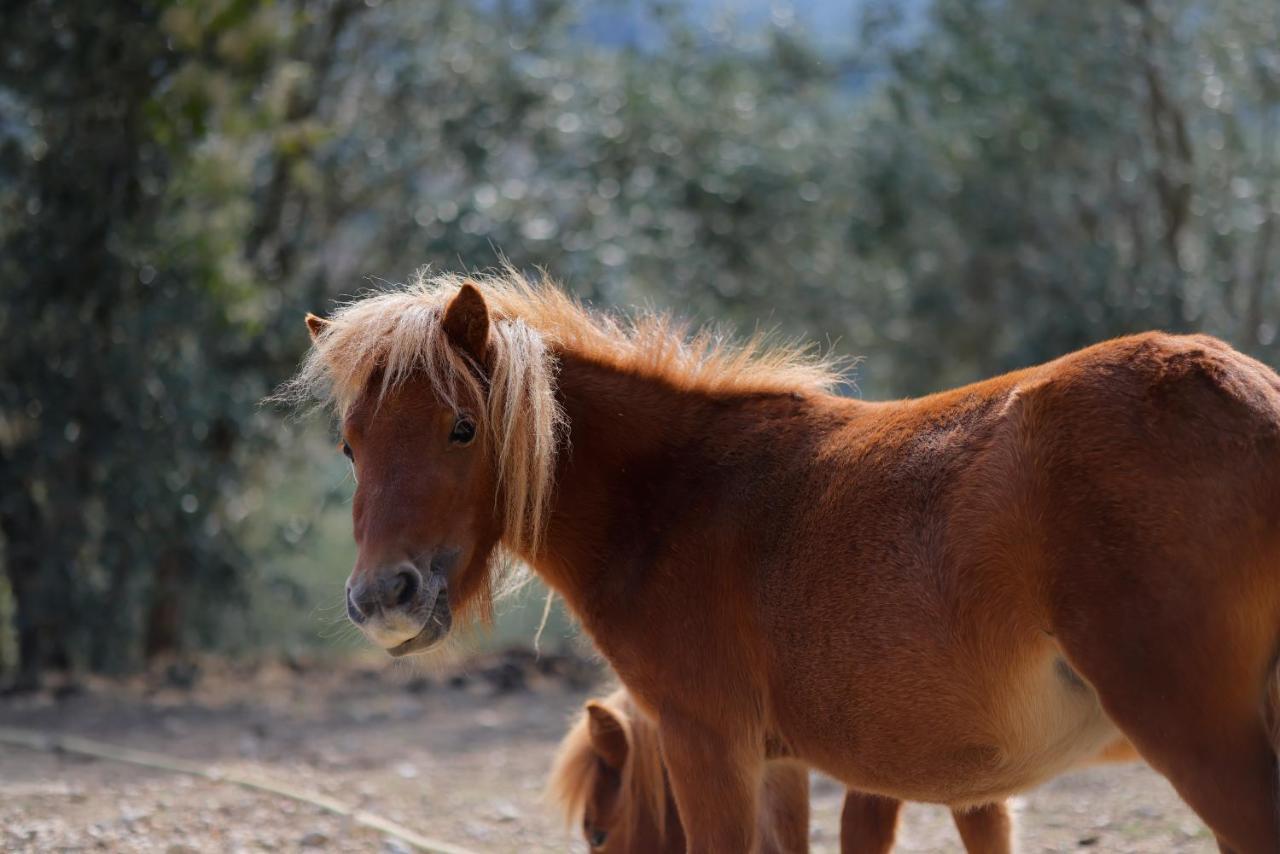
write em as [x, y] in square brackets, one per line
[709, 173]
[134, 350]
[1043, 175]
[978, 186]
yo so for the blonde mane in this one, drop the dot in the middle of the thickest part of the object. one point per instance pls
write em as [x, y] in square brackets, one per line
[644, 782]
[398, 332]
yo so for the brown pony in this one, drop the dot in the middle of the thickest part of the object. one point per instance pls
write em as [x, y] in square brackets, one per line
[946, 599]
[608, 777]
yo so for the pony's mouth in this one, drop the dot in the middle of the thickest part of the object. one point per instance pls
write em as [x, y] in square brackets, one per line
[439, 621]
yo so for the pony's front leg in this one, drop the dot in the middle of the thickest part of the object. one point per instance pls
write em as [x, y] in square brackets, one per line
[715, 777]
[868, 823]
[986, 829]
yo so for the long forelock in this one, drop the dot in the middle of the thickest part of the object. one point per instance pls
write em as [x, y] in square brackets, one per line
[373, 344]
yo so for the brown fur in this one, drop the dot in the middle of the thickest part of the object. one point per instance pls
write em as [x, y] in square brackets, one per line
[947, 599]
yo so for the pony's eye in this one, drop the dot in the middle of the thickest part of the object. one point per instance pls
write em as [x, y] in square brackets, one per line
[596, 838]
[464, 431]
[346, 451]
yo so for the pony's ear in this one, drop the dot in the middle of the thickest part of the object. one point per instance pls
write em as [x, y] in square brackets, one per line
[466, 322]
[608, 735]
[316, 325]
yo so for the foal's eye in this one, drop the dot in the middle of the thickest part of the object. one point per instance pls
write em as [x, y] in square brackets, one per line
[596, 838]
[346, 451]
[464, 431]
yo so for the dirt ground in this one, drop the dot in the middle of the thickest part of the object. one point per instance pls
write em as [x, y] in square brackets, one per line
[459, 756]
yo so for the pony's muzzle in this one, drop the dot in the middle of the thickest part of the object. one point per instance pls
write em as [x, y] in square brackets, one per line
[385, 589]
[400, 607]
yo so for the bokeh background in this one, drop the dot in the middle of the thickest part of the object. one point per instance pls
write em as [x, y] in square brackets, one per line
[943, 188]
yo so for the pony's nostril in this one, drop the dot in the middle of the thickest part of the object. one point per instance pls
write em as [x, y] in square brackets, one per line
[359, 604]
[380, 593]
[404, 587]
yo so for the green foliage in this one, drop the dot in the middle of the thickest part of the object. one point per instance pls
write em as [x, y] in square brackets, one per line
[133, 332]
[1045, 175]
[709, 175]
[984, 187]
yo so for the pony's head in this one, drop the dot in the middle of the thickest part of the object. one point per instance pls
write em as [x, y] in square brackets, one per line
[446, 395]
[449, 419]
[609, 780]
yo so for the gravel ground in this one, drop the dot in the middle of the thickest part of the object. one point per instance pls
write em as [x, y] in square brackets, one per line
[459, 756]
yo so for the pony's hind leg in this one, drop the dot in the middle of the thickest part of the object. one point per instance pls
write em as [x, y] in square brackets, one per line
[1220, 761]
[1155, 514]
[987, 829]
[868, 823]
[1188, 687]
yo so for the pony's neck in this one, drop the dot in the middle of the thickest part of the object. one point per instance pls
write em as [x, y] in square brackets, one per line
[643, 457]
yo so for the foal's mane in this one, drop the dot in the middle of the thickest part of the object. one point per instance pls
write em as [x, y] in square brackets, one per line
[643, 778]
[398, 332]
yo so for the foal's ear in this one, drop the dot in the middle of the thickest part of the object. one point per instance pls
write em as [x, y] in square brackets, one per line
[608, 735]
[466, 322]
[316, 325]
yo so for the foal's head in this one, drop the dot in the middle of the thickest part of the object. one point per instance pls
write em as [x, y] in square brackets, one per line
[448, 418]
[609, 778]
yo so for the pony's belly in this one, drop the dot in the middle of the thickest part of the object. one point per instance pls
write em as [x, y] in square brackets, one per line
[1031, 729]
[1051, 721]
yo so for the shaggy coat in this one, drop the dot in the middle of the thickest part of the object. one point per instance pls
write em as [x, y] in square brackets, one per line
[947, 599]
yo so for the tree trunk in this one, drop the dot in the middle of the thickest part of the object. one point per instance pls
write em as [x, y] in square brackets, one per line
[21, 525]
